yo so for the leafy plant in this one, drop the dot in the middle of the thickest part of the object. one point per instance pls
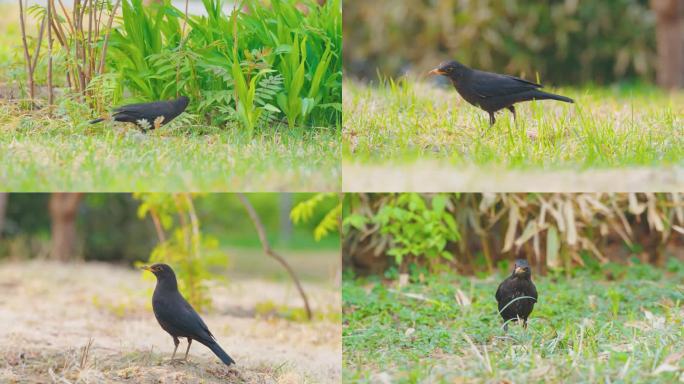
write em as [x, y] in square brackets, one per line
[556, 231]
[304, 211]
[186, 249]
[76, 42]
[418, 229]
[144, 47]
[255, 66]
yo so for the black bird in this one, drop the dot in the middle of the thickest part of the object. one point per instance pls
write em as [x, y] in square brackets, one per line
[177, 317]
[492, 92]
[149, 115]
[518, 284]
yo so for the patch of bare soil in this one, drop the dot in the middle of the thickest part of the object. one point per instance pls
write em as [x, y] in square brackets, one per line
[93, 323]
[427, 176]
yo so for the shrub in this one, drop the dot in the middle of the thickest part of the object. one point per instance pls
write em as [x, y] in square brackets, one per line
[565, 41]
[257, 65]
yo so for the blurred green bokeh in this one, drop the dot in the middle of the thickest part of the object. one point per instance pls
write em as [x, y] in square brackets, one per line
[109, 228]
[564, 41]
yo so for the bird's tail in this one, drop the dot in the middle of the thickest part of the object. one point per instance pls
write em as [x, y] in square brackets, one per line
[541, 95]
[96, 120]
[218, 351]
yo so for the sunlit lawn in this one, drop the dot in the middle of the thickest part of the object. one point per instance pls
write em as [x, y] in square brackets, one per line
[607, 127]
[43, 154]
[583, 329]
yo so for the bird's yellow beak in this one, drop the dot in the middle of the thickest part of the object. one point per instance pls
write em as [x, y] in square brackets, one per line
[519, 271]
[436, 71]
[146, 267]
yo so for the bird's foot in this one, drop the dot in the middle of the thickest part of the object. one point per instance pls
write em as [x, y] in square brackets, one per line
[177, 361]
[158, 122]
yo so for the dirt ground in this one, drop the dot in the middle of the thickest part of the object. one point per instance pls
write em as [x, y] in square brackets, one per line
[93, 323]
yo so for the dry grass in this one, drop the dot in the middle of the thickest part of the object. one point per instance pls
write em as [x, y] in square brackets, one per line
[92, 323]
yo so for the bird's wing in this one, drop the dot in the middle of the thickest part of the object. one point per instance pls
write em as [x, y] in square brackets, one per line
[532, 83]
[486, 84]
[178, 317]
[499, 293]
[145, 108]
[533, 292]
[191, 313]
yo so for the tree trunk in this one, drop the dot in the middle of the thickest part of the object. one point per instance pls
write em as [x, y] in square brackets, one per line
[3, 210]
[63, 208]
[670, 41]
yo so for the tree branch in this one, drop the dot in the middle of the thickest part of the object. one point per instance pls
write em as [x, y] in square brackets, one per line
[270, 252]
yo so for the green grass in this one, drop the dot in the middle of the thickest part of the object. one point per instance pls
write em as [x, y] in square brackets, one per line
[607, 127]
[583, 329]
[41, 154]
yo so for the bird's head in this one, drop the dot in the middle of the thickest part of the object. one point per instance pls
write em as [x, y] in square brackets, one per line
[522, 269]
[452, 69]
[183, 101]
[160, 270]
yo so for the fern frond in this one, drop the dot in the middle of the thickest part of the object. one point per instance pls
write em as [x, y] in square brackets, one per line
[329, 224]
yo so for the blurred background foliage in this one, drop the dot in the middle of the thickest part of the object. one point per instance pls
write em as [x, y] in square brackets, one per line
[109, 228]
[565, 41]
[475, 233]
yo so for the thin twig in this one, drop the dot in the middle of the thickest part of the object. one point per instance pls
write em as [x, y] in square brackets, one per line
[66, 15]
[57, 27]
[194, 223]
[420, 297]
[49, 76]
[27, 57]
[39, 43]
[90, 45]
[161, 235]
[270, 252]
[103, 54]
[180, 47]
[484, 361]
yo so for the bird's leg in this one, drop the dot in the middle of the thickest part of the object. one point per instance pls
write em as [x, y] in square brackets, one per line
[512, 109]
[158, 122]
[176, 342]
[492, 120]
[188, 350]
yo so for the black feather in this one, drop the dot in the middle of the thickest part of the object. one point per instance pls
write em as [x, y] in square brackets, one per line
[149, 112]
[176, 316]
[518, 284]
